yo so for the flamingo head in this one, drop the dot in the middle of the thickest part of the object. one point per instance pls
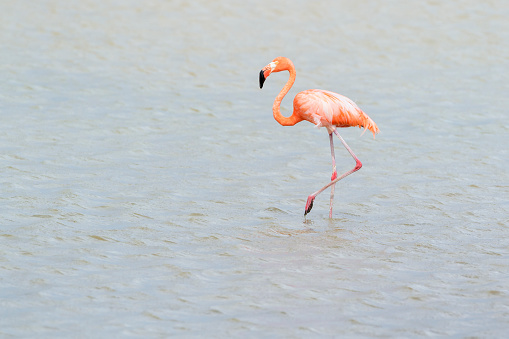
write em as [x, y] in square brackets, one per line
[265, 72]
[277, 65]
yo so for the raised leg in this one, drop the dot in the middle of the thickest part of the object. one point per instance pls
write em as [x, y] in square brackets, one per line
[334, 173]
[358, 165]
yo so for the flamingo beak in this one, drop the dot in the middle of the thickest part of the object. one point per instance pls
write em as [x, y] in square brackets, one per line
[262, 78]
[265, 72]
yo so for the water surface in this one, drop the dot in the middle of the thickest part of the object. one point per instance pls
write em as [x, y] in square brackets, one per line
[147, 190]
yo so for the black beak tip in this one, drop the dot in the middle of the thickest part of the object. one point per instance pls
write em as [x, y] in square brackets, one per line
[262, 78]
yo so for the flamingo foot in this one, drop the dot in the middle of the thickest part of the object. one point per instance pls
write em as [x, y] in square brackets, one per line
[309, 204]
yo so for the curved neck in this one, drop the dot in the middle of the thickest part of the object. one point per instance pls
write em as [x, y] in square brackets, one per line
[293, 119]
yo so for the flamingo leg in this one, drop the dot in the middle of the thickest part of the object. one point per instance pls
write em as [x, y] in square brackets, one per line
[334, 173]
[358, 165]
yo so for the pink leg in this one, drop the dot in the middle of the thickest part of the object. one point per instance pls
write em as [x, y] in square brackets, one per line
[334, 173]
[358, 165]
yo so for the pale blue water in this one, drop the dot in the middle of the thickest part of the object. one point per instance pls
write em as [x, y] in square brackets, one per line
[148, 192]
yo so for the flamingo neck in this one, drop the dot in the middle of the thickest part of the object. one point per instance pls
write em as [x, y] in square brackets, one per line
[293, 119]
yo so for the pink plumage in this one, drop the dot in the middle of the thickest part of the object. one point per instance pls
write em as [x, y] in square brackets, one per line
[328, 109]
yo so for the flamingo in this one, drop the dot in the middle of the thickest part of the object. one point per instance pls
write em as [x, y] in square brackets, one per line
[324, 109]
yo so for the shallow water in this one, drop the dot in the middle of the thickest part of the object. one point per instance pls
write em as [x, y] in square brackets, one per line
[147, 190]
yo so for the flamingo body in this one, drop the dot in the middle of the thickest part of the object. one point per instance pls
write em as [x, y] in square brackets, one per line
[328, 109]
[323, 109]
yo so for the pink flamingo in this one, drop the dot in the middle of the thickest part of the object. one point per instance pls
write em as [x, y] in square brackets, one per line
[324, 109]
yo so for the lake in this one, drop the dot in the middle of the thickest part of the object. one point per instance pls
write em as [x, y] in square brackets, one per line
[147, 191]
